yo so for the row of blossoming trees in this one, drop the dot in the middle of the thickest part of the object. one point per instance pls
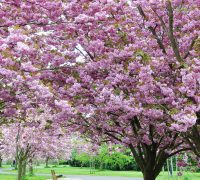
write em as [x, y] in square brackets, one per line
[30, 140]
[36, 138]
[125, 71]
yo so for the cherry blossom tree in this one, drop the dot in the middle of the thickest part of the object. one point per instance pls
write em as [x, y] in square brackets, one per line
[56, 148]
[34, 138]
[139, 81]
[118, 70]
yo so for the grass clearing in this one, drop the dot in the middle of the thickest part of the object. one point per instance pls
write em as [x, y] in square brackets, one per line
[67, 170]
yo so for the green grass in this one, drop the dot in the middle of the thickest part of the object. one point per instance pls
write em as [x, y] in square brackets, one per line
[4, 166]
[186, 176]
[86, 171]
[83, 171]
[14, 177]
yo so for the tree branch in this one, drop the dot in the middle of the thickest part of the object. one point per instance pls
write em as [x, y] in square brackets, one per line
[137, 158]
[159, 41]
[171, 32]
[190, 47]
[178, 151]
[153, 30]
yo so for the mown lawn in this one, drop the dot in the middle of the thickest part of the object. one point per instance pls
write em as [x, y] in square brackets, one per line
[86, 171]
[82, 171]
[14, 177]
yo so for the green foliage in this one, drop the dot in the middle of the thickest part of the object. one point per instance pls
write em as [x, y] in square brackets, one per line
[63, 162]
[107, 158]
[115, 159]
[145, 57]
[84, 158]
[79, 160]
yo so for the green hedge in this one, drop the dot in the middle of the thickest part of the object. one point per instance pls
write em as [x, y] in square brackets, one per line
[107, 158]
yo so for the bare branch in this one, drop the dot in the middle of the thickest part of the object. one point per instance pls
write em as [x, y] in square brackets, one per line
[153, 30]
[190, 47]
[159, 41]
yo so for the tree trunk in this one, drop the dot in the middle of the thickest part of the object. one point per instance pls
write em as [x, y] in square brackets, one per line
[149, 176]
[20, 167]
[37, 163]
[192, 138]
[31, 167]
[1, 162]
[150, 162]
[17, 148]
[47, 162]
[152, 168]
[24, 169]
[149, 171]
[151, 157]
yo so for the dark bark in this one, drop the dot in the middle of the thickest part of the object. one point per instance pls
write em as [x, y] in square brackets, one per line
[192, 138]
[149, 175]
[153, 31]
[150, 162]
[149, 158]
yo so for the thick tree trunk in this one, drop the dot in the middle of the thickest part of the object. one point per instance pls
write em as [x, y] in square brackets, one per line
[152, 156]
[149, 175]
[149, 169]
[149, 161]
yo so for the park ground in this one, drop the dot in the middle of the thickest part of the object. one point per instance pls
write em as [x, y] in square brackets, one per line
[41, 173]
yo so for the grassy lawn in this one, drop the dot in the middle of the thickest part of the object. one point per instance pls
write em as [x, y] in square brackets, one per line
[86, 171]
[186, 176]
[14, 177]
[82, 171]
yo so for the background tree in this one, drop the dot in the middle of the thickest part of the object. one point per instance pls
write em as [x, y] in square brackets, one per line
[32, 139]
